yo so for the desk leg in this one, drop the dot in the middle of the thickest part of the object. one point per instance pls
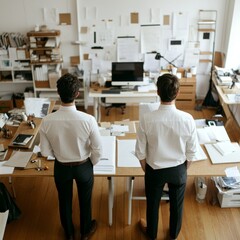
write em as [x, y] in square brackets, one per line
[97, 109]
[130, 193]
[110, 198]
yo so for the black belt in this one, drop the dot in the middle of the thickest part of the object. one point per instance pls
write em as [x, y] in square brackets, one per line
[72, 164]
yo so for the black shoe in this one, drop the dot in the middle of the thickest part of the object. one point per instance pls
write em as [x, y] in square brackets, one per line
[92, 231]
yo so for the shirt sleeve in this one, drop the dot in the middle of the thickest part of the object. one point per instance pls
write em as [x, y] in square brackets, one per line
[192, 143]
[45, 146]
[95, 142]
[141, 143]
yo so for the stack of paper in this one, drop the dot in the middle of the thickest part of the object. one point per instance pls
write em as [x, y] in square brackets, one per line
[217, 157]
[226, 147]
[107, 164]
[126, 153]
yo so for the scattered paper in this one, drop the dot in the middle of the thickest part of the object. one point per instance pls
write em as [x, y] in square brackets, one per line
[232, 172]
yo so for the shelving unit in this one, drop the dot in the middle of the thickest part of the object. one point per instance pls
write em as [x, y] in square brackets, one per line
[206, 37]
[46, 61]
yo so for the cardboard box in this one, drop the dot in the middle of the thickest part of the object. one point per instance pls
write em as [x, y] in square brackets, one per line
[6, 105]
[53, 77]
[230, 199]
[42, 84]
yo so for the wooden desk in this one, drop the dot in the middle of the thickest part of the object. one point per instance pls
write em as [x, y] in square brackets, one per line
[199, 168]
[225, 102]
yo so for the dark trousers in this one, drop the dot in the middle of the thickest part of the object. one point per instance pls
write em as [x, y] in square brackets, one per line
[64, 176]
[154, 182]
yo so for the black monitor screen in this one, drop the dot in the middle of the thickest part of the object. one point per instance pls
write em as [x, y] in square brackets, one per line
[127, 72]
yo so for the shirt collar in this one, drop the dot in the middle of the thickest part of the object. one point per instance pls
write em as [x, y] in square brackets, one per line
[68, 108]
[167, 107]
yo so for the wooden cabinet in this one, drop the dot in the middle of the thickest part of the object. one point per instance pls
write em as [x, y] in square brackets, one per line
[187, 94]
[46, 61]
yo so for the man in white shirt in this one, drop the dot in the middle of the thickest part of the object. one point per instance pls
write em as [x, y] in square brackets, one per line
[166, 145]
[73, 138]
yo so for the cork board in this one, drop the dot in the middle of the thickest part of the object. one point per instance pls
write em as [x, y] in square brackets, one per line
[75, 60]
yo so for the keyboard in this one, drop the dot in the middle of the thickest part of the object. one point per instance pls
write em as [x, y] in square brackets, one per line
[111, 91]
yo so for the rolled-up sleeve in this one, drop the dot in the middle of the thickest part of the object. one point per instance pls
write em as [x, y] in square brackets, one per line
[95, 142]
[141, 143]
[192, 143]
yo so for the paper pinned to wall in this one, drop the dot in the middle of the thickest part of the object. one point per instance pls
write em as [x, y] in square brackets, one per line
[150, 38]
[127, 49]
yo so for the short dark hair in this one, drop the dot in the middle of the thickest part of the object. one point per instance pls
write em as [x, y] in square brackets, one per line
[68, 86]
[168, 86]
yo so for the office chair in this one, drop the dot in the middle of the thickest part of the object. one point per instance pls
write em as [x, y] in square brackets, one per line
[109, 106]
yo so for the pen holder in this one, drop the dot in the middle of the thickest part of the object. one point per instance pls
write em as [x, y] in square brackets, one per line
[201, 189]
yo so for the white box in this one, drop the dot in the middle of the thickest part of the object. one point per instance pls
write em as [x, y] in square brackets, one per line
[229, 200]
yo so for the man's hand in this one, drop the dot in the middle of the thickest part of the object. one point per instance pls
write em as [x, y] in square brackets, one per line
[143, 164]
[188, 164]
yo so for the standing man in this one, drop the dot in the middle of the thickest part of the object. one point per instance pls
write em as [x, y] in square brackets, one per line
[73, 138]
[166, 145]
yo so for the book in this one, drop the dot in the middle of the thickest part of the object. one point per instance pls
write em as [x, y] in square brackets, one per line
[22, 139]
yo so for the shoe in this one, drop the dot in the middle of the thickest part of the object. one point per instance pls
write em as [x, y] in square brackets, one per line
[143, 226]
[92, 231]
[69, 237]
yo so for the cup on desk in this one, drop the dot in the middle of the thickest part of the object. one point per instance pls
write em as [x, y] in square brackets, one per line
[174, 70]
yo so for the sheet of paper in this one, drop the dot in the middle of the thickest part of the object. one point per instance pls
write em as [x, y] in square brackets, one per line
[19, 159]
[126, 153]
[200, 154]
[107, 163]
[212, 134]
[232, 172]
[130, 124]
[37, 106]
[217, 158]
[5, 169]
[119, 128]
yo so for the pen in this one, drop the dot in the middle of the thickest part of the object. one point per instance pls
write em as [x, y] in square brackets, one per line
[103, 159]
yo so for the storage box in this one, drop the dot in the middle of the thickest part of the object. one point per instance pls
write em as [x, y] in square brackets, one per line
[230, 199]
[6, 105]
[42, 84]
[53, 77]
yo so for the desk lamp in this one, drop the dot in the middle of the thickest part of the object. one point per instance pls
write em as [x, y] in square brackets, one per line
[159, 56]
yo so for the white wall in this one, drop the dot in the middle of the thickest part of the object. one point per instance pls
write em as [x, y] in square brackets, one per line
[23, 15]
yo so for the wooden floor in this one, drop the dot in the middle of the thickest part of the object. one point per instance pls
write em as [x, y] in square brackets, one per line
[37, 199]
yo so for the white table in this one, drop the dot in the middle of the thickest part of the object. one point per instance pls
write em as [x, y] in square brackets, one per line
[123, 97]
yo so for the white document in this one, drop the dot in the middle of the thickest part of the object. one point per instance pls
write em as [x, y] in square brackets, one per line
[226, 147]
[127, 49]
[107, 163]
[5, 169]
[126, 153]
[217, 158]
[119, 128]
[232, 172]
[19, 159]
[200, 154]
[37, 106]
[212, 134]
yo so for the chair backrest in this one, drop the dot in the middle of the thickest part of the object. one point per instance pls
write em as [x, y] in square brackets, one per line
[147, 107]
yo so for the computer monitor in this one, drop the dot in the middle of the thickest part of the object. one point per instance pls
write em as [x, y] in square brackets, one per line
[127, 74]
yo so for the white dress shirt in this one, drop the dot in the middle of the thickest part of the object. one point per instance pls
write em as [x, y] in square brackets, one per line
[166, 137]
[70, 136]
